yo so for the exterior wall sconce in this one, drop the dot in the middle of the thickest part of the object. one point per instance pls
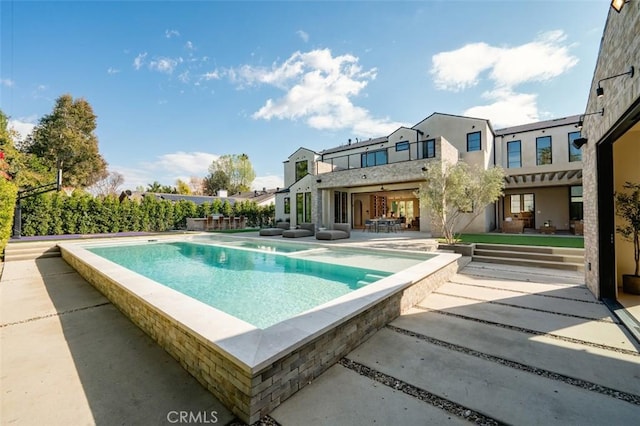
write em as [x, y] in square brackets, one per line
[424, 168]
[581, 119]
[364, 176]
[578, 143]
[318, 180]
[600, 90]
[617, 5]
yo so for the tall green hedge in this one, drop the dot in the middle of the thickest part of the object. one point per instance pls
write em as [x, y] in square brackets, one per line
[8, 196]
[57, 214]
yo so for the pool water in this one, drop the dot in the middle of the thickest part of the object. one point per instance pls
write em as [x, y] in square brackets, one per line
[259, 287]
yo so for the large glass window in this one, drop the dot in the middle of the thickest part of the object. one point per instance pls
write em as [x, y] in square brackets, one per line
[402, 146]
[514, 154]
[340, 207]
[474, 141]
[575, 203]
[429, 148]
[287, 205]
[374, 158]
[543, 150]
[575, 154]
[302, 169]
[303, 207]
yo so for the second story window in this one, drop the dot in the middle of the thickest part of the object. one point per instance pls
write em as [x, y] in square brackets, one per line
[575, 154]
[474, 141]
[429, 148]
[402, 146]
[543, 150]
[514, 154]
[374, 158]
[302, 169]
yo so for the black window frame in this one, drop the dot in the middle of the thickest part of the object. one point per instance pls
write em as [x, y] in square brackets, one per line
[429, 148]
[573, 151]
[471, 134]
[365, 155]
[539, 155]
[402, 146]
[519, 142]
[299, 174]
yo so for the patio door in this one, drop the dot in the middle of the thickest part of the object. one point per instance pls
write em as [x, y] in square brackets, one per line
[521, 206]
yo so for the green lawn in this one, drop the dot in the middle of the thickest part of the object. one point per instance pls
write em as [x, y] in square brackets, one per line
[525, 240]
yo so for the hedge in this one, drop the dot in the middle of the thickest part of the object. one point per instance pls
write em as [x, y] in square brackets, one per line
[81, 213]
[8, 197]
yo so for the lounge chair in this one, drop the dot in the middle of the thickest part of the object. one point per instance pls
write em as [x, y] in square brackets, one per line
[338, 231]
[277, 230]
[303, 230]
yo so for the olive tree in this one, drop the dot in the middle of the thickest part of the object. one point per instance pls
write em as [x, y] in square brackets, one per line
[453, 192]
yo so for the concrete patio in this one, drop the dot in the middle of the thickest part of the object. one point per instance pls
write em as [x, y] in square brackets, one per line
[497, 344]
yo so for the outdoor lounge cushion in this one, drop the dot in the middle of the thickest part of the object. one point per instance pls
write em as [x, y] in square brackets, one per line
[338, 231]
[280, 227]
[303, 230]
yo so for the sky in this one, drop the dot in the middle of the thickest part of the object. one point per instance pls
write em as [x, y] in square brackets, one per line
[175, 85]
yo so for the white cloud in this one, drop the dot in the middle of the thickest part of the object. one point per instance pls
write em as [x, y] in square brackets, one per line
[23, 127]
[6, 82]
[138, 62]
[171, 33]
[168, 168]
[303, 35]
[507, 109]
[112, 70]
[318, 88]
[185, 77]
[213, 75]
[189, 46]
[165, 65]
[540, 60]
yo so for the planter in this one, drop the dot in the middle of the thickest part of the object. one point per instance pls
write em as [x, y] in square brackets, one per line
[463, 249]
[631, 284]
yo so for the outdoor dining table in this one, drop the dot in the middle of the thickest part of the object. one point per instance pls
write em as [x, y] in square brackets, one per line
[384, 222]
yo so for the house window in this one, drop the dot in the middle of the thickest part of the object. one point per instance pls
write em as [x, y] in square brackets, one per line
[287, 205]
[402, 146]
[575, 203]
[302, 169]
[575, 154]
[340, 207]
[514, 154]
[374, 158]
[543, 150]
[474, 141]
[429, 148]
[303, 207]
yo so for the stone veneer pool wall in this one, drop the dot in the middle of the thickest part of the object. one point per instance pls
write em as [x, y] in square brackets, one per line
[251, 383]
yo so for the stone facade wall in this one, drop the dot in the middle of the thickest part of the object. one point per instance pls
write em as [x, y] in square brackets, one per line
[252, 394]
[619, 49]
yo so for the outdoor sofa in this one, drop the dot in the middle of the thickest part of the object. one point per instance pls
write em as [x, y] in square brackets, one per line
[277, 230]
[338, 231]
[303, 230]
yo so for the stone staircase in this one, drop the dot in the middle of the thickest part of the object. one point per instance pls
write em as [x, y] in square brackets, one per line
[29, 250]
[568, 259]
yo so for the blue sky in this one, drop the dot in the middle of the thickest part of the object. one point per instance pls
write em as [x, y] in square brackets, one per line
[177, 84]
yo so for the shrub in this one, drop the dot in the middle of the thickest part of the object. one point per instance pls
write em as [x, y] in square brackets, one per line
[8, 197]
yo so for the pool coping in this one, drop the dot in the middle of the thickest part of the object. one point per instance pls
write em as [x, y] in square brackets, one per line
[251, 350]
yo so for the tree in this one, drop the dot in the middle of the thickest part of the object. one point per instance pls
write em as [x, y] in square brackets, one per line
[237, 168]
[196, 185]
[182, 187]
[109, 185]
[215, 181]
[157, 187]
[66, 137]
[459, 191]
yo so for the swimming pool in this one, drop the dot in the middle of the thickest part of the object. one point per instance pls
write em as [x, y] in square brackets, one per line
[262, 286]
[250, 369]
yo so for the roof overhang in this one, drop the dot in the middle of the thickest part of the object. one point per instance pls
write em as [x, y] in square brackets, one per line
[550, 178]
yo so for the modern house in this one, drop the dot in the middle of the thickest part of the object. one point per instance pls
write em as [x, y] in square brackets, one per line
[611, 151]
[379, 177]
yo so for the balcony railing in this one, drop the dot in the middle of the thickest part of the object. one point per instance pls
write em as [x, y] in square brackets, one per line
[377, 157]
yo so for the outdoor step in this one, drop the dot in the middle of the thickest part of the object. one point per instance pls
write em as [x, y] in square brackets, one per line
[532, 249]
[578, 259]
[16, 251]
[528, 262]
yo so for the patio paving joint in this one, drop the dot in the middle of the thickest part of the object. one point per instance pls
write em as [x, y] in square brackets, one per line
[55, 314]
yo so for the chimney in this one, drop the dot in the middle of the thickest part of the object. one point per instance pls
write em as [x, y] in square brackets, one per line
[222, 193]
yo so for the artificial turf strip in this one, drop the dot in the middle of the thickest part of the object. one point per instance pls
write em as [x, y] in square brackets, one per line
[524, 240]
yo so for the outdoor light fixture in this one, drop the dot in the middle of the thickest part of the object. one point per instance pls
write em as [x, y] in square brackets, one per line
[424, 168]
[581, 119]
[617, 5]
[600, 90]
[577, 143]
